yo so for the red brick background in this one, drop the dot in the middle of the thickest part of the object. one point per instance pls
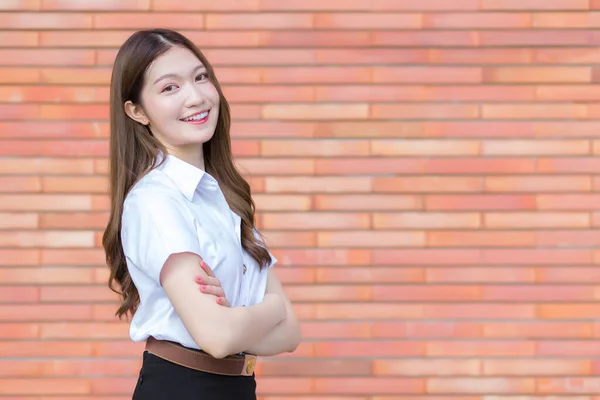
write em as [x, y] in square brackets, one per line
[425, 170]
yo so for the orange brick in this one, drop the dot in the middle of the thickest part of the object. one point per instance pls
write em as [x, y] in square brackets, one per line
[369, 275]
[536, 220]
[429, 111]
[426, 329]
[481, 239]
[569, 385]
[55, 94]
[14, 184]
[537, 367]
[426, 367]
[534, 5]
[536, 147]
[269, 202]
[352, 386]
[314, 39]
[567, 202]
[427, 184]
[424, 38]
[31, 165]
[568, 311]
[367, 21]
[81, 330]
[44, 130]
[73, 257]
[259, 21]
[315, 111]
[480, 202]
[317, 185]
[337, 330]
[573, 274]
[478, 56]
[290, 239]
[566, 92]
[579, 129]
[368, 166]
[177, 21]
[357, 239]
[565, 55]
[74, 185]
[44, 387]
[19, 75]
[425, 5]
[54, 148]
[571, 238]
[481, 385]
[538, 184]
[44, 312]
[472, 311]
[427, 75]
[536, 37]
[429, 220]
[45, 239]
[45, 202]
[91, 76]
[367, 202]
[321, 220]
[480, 274]
[265, 93]
[20, 39]
[297, 5]
[46, 275]
[19, 221]
[566, 20]
[311, 368]
[563, 164]
[538, 75]
[105, 5]
[567, 348]
[534, 111]
[318, 148]
[490, 165]
[370, 56]
[328, 293]
[478, 20]
[276, 166]
[20, 5]
[35, 21]
[537, 330]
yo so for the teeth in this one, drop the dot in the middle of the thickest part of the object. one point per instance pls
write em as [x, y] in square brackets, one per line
[197, 117]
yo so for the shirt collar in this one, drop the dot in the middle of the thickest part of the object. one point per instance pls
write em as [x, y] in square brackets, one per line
[186, 176]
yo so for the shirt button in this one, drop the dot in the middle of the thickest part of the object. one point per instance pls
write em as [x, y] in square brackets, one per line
[245, 269]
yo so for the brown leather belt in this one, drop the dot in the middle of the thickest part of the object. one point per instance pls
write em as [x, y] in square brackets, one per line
[201, 361]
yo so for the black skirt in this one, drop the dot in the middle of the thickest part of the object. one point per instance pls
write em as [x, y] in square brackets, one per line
[163, 380]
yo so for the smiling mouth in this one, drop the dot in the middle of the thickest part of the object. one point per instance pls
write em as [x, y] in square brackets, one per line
[199, 117]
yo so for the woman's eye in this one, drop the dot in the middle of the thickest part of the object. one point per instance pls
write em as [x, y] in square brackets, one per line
[169, 88]
[202, 76]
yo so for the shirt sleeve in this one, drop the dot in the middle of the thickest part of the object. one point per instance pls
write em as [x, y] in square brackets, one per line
[155, 226]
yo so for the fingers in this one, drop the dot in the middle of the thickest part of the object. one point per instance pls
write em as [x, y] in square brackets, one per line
[223, 301]
[206, 268]
[208, 281]
[214, 290]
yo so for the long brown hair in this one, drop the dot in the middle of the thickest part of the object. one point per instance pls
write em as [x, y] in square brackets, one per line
[134, 151]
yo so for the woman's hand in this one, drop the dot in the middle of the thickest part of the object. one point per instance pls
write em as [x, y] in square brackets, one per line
[211, 285]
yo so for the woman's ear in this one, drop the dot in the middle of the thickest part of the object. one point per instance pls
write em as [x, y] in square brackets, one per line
[135, 112]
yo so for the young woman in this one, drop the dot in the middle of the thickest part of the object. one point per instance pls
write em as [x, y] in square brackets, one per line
[178, 206]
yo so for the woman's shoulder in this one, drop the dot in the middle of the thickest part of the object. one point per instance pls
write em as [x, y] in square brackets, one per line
[154, 189]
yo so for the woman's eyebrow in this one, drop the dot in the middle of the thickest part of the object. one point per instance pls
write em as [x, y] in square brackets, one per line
[172, 75]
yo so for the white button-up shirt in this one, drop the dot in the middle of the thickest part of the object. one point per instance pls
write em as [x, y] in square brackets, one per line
[180, 208]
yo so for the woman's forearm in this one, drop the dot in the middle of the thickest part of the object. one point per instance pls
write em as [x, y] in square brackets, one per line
[285, 337]
[248, 326]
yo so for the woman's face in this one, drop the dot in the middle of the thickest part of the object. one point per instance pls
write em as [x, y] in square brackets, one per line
[179, 102]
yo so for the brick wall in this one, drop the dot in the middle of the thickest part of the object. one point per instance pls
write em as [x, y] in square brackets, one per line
[426, 172]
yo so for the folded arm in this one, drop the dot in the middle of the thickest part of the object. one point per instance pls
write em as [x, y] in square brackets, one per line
[219, 331]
